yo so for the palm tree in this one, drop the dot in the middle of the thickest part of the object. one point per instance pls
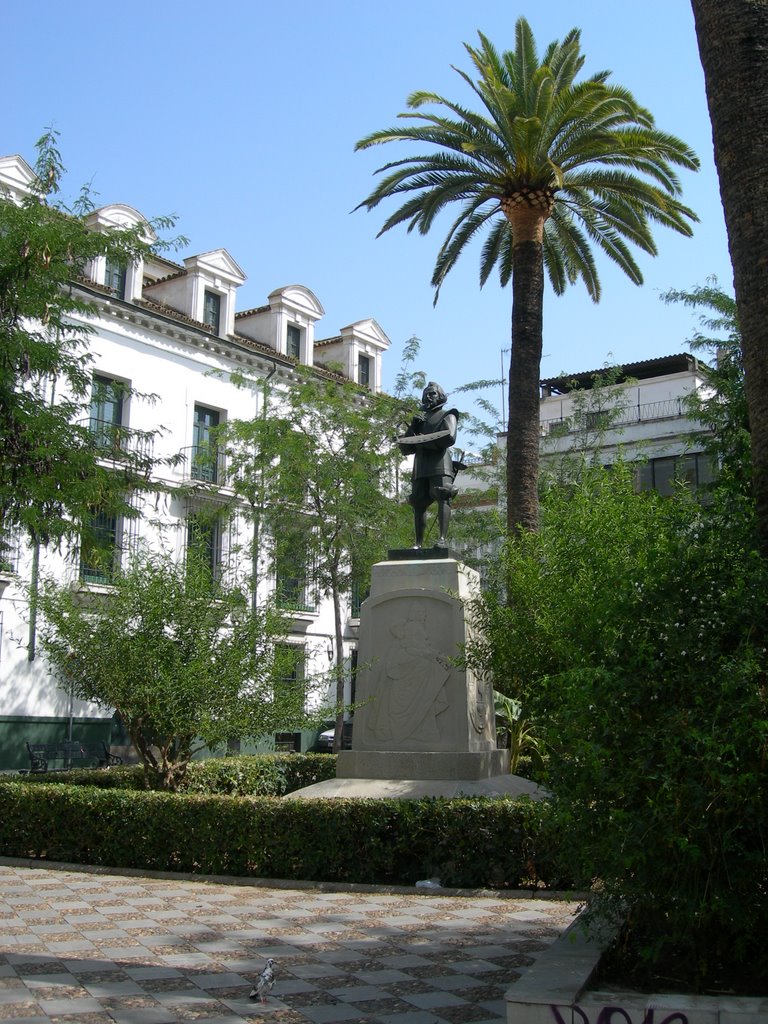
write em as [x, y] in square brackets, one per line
[550, 167]
[733, 45]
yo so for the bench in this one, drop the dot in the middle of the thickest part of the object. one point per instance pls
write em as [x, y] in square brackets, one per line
[72, 753]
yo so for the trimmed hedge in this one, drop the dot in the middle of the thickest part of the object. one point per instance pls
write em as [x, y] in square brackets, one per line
[472, 843]
[255, 775]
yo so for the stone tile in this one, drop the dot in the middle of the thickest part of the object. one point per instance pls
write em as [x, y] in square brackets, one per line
[83, 1005]
[432, 1000]
[292, 986]
[11, 996]
[332, 1014]
[11, 981]
[186, 950]
[534, 1013]
[222, 980]
[107, 987]
[152, 972]
[456, 983]
[27, 1016]
[166, 986]
[311, 970]
[358, 993]
[381, 977]
[402, 961]
[95, 966]
[411, 1017]
[143, 1015]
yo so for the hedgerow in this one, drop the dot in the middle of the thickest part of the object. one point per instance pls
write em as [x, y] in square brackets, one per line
[464, 842]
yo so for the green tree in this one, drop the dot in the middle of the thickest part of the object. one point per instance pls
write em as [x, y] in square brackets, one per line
[723, 407]
[575, 442]
[317, 471]
[53, 471]
[551, 167]
[254, 452]
[733, 45]
[477, 525]
[624, 628]
[185, 660]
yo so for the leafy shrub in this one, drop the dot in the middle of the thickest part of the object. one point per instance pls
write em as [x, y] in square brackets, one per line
[256, 775]
[472, 843]
[183, 659]
[632, 628]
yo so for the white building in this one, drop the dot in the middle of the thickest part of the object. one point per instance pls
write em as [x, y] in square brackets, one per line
[172, 331]
[642, 414]
[637, 413]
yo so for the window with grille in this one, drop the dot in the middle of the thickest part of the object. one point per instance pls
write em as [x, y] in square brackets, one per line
[107, 409]
[294, 569]
[100, 548]
[205, 452]
[291, 675]
[204, 542]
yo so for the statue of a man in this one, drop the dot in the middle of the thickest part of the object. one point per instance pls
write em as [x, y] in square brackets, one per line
[430, 435]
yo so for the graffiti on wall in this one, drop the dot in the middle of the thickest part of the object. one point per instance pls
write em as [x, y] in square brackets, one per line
[615, 1015]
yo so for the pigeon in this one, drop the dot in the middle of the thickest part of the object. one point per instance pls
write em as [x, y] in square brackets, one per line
[264, 982]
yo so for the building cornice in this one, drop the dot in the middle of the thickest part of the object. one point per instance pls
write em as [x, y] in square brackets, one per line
[169, 322]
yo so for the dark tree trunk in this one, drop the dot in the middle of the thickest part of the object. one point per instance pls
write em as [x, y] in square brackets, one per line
[524, 377]
[733, 44]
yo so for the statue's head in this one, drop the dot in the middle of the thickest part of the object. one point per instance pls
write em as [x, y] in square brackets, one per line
[433, 396]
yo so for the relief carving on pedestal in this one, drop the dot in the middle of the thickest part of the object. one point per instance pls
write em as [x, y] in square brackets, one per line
[409, 684]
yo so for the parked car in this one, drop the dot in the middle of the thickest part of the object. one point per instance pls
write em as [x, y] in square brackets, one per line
[325, 739]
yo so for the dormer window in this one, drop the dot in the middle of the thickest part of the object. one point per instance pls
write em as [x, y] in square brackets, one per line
[115, 276]
[212, 311]
[364, 371]
[123, 277]
[293, 345]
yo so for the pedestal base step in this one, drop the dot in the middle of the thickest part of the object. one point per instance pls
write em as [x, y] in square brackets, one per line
[415, 789]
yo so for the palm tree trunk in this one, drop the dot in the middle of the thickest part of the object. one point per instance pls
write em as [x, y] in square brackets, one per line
[733, 45]
[524, 376]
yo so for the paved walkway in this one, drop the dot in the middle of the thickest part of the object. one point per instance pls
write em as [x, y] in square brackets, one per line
[93, 948]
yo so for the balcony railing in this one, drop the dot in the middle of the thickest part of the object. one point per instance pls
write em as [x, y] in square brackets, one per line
[10, 550]
[671, 408]
[116, 440]
[203, 463]
[295, 593]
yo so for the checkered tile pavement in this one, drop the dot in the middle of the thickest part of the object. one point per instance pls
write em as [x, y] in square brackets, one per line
[93, 948]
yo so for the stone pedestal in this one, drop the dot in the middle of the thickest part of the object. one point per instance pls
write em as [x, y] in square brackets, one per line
[425, 727]
[421, 716]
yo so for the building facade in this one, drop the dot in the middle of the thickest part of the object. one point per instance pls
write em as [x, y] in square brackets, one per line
[169, 351]
[639, 412]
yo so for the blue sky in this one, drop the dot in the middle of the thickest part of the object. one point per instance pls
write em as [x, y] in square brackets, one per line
[241, 118]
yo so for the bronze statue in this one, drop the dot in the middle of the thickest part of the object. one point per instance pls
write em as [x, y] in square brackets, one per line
[430, 435]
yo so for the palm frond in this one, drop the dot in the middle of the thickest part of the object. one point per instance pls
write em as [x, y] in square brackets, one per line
[564, 241]
[464, 228]
[611, 173]
[526, 60]
[492, 248]
[554, 264]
